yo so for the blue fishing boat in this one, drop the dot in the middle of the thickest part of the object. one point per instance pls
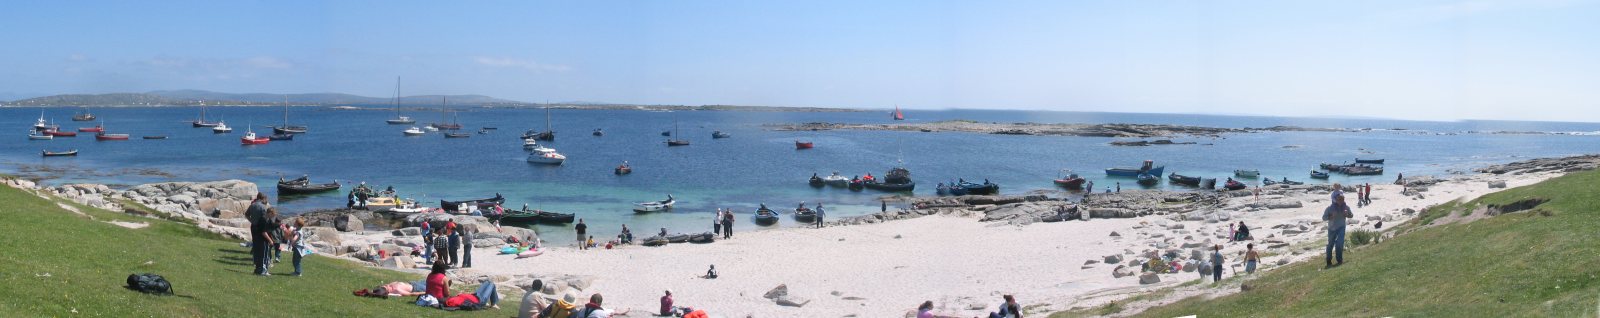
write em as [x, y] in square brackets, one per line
[1148, 168]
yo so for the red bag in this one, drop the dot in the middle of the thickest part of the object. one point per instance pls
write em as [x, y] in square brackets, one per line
[457, 300]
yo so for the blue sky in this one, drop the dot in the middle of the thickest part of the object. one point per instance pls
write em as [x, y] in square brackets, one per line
[1438, 60]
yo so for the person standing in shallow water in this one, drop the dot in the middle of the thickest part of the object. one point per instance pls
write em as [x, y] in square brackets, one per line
[1336, 215]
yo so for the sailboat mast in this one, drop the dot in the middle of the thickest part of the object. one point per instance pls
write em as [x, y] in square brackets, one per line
[397, 96]
[285, 111]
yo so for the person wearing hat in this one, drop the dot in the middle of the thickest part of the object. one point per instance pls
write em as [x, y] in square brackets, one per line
[667, 309]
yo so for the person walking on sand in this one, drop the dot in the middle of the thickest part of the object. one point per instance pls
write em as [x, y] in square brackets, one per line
[716, 223]
[1216, 263]
[820, 214]
[727, 224]
[1251, 258]
[581, 228]
[1336, 215]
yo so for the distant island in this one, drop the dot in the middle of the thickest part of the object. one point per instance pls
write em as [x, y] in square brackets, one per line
[188, 98]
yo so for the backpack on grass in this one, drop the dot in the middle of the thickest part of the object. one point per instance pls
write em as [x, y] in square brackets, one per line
[149, 284]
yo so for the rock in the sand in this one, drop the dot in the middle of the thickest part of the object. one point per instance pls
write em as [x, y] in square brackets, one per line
[402, 262]
[1115, 234]
[1204, 268]
[347, 223]
[1111, 213]
[791, 301]
[410, 231]
[228, 214]
[483, 242]
[1149, 278]
[580, 283]
[1194, 244]
[1113, 259]
[1409, 211]
[780, 291]
[1284, 204]
[323, 234]
[1283, 261]
[1177, 226]
[1497, 184]
[1123, 271]
[1292, 231]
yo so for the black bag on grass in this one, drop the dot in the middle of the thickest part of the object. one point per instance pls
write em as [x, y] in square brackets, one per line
[149, 284]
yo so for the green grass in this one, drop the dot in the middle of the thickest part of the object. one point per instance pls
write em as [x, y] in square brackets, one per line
[88, 261]
[1538, 263]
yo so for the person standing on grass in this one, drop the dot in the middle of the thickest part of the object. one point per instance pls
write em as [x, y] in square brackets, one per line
[297, 245]
[1336, 215]
[257, 215]
[581, 228]
[1251, 258]
[1216, 263]
[268, 256]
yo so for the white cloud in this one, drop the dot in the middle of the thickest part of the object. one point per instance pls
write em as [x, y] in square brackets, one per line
[267, 62]
[506, 62]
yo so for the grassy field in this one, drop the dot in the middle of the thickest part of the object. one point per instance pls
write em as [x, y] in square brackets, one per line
[1542, 262]
[54, 262]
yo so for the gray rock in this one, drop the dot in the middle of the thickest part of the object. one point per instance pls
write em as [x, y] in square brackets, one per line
[1283, 261]
[1497, 184]
[409, 231]
[348, 223]
[1149, 278]
[1284, 204]
[791, 301]
[1113, 259]
[1123, 271]
[1115, 234]
[483, 242]
[780, 291]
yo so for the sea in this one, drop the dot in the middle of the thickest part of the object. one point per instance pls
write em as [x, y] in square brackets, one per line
[756, 165]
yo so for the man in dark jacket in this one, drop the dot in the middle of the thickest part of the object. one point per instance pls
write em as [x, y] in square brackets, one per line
[257, 215]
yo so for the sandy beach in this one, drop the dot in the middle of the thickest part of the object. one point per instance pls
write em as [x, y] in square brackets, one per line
[963, 265]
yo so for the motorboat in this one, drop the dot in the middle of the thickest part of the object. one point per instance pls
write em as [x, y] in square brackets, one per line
[221, 128]
[1370, 161]
[413, 131]
[544, 155]
[719, 135]
[1148, 168]
[597, 132]
[836, 180]
[1318, 174]
[251, 139]
[58, 133]
[803, 145]
[456, 135]
[1146, 179]
[985, 188]
[1247, 173]
[85, 115]
[655, 206]
[282, 137]
[1072, 181]
[35, 135]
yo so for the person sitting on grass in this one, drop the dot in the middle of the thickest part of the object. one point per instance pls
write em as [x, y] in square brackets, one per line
[438, 285]
[594, 310]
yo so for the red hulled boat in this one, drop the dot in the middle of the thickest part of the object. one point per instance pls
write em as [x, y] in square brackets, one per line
[802, 144]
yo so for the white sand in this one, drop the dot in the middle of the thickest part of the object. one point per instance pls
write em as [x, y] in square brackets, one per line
[959, 263]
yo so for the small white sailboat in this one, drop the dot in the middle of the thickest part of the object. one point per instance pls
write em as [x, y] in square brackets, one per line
[413, 131]
[546, 156]
[399, 120]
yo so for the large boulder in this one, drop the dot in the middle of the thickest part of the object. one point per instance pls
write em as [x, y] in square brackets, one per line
[1113, 258]
[348, 223]
[1111, 213]
[1497, 184]
[484, 242]
[1123, 271]
[780, 291]
[1149, 278]
[323, 234]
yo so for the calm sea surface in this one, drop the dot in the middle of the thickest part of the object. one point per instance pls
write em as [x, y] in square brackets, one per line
[754, 166]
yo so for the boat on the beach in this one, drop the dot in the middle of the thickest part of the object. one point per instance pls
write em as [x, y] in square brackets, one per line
[803, 144]
[1285, 181]
[1183, 180]
[954, 189]
[48, 153]
[385, 204]
[985, 188]
[1234, 185]
[765, 216]
[941, 189]
[1071, 181]
[303, 185]
[1247, 173]
[1369, 161]
[856, 185]
[413, 131]
[155, 137]
[58, 133]
[655, 206]
[251, 139]
[804, 214]
[1148, 179]
[534, 216]
[544, 155]
[1318, 174]
[107, 137]
[1148, 168]
[702, 238]
[451, 206]
[718, 134]
[84, 115]
[221, 128]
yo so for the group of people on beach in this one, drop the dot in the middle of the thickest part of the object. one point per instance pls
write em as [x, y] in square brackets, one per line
[445, 243]
[270, 235]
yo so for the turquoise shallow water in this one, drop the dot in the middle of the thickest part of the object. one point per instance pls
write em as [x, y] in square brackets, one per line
[754, 166]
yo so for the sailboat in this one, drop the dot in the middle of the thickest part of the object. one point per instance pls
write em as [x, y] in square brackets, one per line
[455, 124]
[83, 116]
[286, 128]
[445, 110]
[201, 122]
[676, 142]
[897, 114]
[398, 119]
[548, 135]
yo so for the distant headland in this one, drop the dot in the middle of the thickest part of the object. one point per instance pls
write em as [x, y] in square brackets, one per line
[190, 98]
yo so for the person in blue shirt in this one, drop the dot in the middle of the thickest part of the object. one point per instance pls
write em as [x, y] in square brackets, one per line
[1336, 215]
